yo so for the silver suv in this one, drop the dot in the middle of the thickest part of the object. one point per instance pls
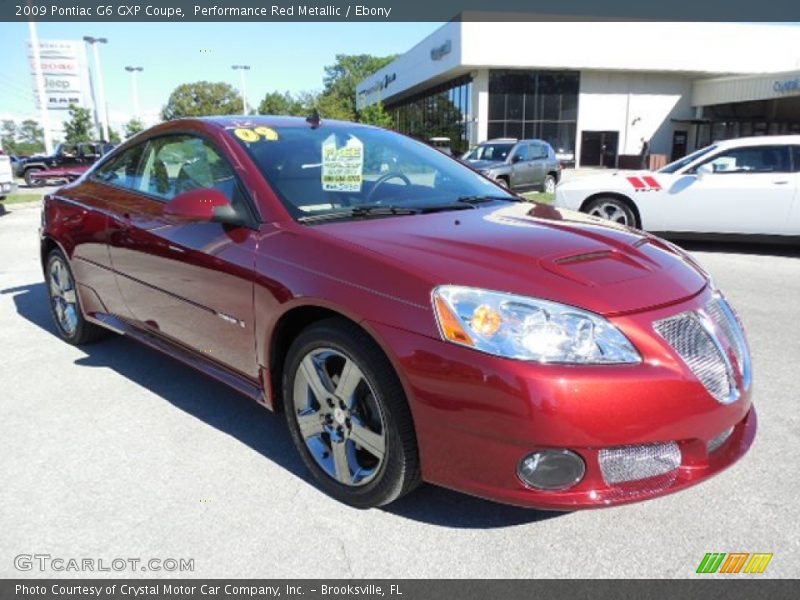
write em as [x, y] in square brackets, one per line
[517, 163]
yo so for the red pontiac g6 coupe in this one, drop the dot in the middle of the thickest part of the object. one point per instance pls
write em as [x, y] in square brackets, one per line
[412, 319]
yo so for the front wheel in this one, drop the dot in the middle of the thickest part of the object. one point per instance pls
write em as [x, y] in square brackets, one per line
[348, 415]
[65, 305]
[612, 209]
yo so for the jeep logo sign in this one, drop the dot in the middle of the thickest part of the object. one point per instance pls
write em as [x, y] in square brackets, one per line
[379, 85]
[786, 86]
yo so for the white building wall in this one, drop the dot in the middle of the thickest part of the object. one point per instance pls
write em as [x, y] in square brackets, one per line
[637, 105]
[480, 106]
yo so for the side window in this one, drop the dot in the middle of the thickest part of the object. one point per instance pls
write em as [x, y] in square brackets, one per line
[752, 159]
[538, 152]
[521, 153]
[123, 170]
[179, 163]
[796, 158]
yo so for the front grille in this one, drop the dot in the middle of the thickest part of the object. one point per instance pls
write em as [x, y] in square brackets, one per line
[702, 339]
[632, 463]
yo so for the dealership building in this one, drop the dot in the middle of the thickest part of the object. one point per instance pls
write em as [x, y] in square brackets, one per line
[595, 90]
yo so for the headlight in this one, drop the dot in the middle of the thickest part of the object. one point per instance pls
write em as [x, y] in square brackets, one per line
[528, 328]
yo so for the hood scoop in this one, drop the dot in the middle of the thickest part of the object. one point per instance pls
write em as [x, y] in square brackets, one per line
[599, 267]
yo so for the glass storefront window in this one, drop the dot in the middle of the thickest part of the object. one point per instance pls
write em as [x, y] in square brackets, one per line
[534, 104]
[443, 111]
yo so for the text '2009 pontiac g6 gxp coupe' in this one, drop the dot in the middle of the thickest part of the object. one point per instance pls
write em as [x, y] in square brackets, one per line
[413, 320]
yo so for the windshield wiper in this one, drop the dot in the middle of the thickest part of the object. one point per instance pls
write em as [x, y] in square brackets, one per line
[357, 212]
[484, 199]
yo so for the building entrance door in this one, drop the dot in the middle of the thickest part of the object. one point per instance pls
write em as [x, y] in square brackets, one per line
[679, 141]
[599, 148]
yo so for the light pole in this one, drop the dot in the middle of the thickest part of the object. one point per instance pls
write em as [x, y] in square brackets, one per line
[101, 92]
[243, 87]
[37, 69]
[134, 88]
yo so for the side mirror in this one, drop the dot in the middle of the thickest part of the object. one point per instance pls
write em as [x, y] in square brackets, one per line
[203, 205]
[516, 158]
[704, 169]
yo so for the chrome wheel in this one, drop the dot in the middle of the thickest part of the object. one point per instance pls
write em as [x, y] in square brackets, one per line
[62, 296]
[550, 185]
[338, 417]
[612, 211]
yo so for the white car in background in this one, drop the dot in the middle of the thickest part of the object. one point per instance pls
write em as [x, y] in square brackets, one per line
[745, 186]
[7, 185]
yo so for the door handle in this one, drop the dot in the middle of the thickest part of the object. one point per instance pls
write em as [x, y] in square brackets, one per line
[781, 182]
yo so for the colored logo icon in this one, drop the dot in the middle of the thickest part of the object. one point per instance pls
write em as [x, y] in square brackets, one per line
[734, 562]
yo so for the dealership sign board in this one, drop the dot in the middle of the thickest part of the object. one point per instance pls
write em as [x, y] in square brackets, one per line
[63, 64]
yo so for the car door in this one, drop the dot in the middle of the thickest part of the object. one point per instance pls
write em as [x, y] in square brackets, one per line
[191, 282]
[744, 190]
[521, 175]
[538, 154]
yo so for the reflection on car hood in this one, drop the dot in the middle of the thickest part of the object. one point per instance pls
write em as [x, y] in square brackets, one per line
[484, 164]
[533, 250]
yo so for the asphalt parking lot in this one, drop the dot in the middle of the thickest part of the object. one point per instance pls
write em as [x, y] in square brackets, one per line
[113, 451]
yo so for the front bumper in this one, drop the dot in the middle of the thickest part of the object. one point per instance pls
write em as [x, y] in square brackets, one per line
[477, 416]
[7, 188]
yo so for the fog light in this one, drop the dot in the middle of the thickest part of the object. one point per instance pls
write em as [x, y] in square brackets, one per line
[551, 469]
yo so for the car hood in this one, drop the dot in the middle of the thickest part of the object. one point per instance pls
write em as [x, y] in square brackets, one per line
[533, 250]
[484, 164]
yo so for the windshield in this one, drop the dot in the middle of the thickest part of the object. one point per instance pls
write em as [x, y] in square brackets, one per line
[686, 160]
[343, 168]
[496, 152]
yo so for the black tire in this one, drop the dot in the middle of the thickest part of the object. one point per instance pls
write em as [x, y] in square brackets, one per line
[613, 209]
[31, 182]
[398, 471]
[83, 331]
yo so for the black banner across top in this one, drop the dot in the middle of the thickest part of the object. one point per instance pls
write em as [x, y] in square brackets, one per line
[396, 10]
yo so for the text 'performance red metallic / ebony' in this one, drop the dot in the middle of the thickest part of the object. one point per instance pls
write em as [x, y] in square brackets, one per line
[413, 320]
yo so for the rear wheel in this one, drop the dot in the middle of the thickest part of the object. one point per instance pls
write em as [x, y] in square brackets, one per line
[549, 185]
[612, 209]
[348, 415]
[65, 305]
[30, 181]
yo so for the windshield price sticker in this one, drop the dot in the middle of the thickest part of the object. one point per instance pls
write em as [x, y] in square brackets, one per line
[342, 168]
[256, 134]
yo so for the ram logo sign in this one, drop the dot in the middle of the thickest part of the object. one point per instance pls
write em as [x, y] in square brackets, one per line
[734, 562]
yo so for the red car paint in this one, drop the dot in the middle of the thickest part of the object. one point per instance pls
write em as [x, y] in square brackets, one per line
[168, 281]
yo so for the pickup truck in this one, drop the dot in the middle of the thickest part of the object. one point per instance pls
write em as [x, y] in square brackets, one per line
[7, 185]
[67, 157]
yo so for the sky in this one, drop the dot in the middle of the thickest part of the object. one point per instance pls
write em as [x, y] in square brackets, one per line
[282, 56]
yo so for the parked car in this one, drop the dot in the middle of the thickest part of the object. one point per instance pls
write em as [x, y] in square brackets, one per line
[56, 176]
[517, 164]
[442, 144]
[419, 323]
[739, 187]
[7, 184]
[65, 157]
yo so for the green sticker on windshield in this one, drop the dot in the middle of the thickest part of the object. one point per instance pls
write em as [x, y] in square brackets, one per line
[342, 168]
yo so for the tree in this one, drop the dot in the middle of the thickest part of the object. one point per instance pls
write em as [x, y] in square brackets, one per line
[8, 136]
[133, 127]
[339, 92]
[80, 126]
[375, 114]
[275, 103]
[31, 133]
[202, 98]
[114, 137]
